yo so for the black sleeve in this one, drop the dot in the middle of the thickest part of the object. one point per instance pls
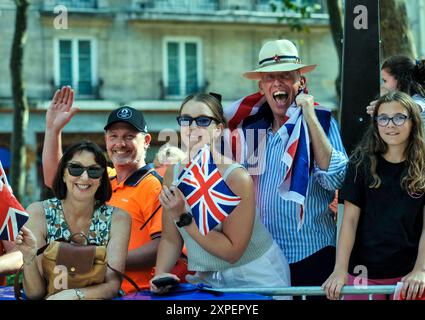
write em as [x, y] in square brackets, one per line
[353, 189]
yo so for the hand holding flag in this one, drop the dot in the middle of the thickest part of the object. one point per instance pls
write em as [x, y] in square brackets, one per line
[12, 214]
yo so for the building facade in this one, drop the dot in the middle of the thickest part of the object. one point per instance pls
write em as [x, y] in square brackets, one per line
[147, 54]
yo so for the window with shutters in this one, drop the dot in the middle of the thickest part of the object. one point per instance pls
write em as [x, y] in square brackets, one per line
[75, 65]
[182, 71]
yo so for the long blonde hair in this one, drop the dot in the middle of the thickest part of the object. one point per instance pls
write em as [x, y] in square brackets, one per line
[372, 145]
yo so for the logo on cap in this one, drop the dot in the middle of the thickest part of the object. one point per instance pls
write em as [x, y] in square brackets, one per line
[124, 113]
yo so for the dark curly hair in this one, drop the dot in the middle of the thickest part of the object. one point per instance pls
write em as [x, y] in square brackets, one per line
[410, 74]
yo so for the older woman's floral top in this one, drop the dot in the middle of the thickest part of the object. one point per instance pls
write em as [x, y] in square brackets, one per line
[58, 228]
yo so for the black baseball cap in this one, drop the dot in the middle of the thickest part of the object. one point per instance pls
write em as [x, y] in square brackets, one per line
[129, 115]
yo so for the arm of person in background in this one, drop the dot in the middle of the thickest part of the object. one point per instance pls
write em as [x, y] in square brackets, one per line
[58, 115]
[231, 242]
[170, 245]
[414, 282]
[333, 285]
[144, 257]
[31, 237]
[11, 261]
[116, 252]
[371, 107]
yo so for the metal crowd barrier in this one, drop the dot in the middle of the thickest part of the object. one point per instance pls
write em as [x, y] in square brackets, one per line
[312, 291]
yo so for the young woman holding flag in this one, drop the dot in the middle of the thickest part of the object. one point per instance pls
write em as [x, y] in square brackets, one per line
[209, 206]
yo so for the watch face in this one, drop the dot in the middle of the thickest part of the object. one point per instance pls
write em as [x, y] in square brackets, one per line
[185, 220]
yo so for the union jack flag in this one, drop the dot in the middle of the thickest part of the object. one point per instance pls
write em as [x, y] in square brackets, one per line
[252, 113]
[12, 214]
[207, 194]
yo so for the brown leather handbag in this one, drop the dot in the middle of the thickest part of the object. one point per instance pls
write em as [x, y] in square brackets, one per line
[80, 265]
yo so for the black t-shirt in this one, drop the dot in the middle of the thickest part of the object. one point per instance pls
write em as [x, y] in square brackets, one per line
[390, 223]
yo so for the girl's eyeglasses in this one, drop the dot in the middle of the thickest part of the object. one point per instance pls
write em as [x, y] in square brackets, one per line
[201, 121]
[76, 170]
[399, 119]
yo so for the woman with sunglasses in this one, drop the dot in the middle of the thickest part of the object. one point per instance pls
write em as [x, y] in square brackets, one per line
[239, 252]
[382, 235]
[81, 187]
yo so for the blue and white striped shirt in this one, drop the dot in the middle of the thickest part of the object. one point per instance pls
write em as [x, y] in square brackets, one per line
[279, 216]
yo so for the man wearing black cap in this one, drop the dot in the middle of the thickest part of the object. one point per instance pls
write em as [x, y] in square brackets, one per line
[135, 184]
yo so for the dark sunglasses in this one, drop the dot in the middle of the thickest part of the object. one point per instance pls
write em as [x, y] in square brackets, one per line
[76, 170]
[399, 119]
[201, 121]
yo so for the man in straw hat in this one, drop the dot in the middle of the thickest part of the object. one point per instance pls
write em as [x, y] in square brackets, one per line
[304, 161]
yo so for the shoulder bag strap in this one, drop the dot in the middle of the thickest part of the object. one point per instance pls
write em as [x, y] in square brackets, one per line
[17, 286]
[122, 275]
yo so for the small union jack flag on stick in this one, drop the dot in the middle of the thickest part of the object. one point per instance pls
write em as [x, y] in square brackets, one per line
[207, 194]
[12, 214]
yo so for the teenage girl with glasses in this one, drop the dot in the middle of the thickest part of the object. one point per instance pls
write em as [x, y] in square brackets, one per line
[81, 188]
[382, 235]
[239, 252]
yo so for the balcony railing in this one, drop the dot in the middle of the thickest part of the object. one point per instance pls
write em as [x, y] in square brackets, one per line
[187, 6]
[269, 5]
[178, 5]
[78, 4]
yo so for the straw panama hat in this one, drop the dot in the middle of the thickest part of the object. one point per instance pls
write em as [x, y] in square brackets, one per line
[278, 56]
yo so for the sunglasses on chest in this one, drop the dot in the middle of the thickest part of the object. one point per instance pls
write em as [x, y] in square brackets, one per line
[76, 170]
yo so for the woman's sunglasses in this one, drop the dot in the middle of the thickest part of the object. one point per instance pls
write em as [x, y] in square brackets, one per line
[76, 170]
[201, 121]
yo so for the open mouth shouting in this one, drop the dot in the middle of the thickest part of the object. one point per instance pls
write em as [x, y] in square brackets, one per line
[281, 98]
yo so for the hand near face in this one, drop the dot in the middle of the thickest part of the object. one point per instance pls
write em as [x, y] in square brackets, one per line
[172, 199]
[306, 102]
[60, 111]
[371, 107]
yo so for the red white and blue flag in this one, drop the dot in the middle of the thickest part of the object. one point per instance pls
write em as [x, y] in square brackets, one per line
[207, 194]
[12, 214]
[252, 112]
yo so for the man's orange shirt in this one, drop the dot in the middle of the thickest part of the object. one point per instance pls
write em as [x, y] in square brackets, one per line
[138, 196]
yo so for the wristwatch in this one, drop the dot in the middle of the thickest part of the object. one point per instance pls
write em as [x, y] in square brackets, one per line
[185, 220]
[80, 294]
